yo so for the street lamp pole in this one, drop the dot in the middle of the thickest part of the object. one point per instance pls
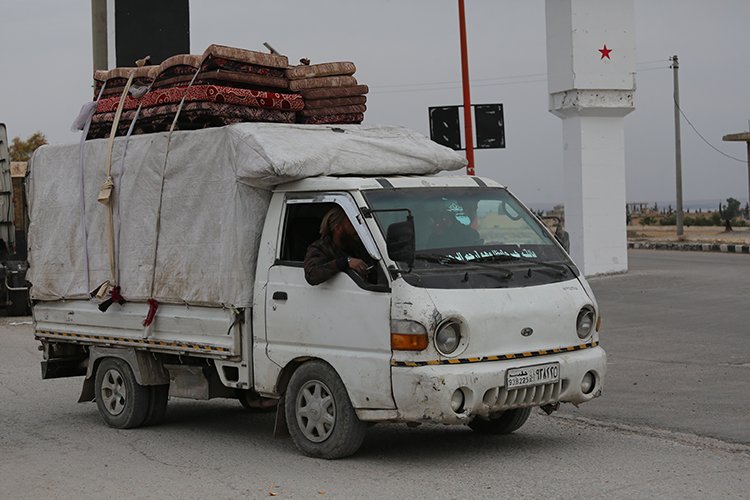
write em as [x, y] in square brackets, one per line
[677, 146]
[469, 134]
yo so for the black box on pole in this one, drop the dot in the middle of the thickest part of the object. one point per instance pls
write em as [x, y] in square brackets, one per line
[489, 126]
[144, 27]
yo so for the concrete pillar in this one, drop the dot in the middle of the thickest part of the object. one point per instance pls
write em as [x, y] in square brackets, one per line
[591, 84]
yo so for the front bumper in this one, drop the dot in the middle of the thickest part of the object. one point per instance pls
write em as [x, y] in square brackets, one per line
[424, 393]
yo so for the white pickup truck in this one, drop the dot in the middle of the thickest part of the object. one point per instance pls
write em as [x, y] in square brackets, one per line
[476, 316]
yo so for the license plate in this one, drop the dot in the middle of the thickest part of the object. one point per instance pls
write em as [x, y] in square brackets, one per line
[532, 375]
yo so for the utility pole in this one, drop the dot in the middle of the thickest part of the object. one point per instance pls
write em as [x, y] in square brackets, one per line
[469, 134]
[677, 146]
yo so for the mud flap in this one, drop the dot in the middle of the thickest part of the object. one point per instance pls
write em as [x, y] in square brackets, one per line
[87, 391]
[280, 429]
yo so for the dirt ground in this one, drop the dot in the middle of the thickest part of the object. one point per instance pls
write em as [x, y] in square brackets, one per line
[693, 234]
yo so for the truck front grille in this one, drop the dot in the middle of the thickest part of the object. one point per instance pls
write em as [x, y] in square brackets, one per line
[499, 398]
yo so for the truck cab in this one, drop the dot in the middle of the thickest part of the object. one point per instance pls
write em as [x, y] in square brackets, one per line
[486, 319]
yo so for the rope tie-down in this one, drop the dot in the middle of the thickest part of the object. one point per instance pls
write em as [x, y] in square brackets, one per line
[111, 287]
[153, 305]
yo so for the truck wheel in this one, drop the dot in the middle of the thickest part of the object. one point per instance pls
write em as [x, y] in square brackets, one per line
[121, 401]
[157, 404]
[507, 422]
[319, 414]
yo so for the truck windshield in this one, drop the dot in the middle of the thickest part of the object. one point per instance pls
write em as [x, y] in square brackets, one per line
[483, 229]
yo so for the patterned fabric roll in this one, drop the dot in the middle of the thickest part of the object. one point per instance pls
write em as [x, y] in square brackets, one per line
[323, 82]
[334, 102]
[318, 70]
[242, 79]
[206, 93]
[328, 93]
[117, 78]
[214, 52]
[333, 119]
[194, 115]
[338, 110]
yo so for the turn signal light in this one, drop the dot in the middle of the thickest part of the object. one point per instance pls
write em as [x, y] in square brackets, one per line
[409, 341]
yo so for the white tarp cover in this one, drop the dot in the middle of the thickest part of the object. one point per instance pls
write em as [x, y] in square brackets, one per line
[215, 195]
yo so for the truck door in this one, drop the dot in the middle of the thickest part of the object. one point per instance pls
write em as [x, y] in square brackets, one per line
[343, 321]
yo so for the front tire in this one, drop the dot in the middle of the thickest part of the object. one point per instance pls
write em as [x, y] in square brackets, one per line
[320, 415]
[507, 422]
[122, 402]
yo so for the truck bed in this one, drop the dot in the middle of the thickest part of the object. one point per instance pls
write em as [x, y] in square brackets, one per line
[211, 332]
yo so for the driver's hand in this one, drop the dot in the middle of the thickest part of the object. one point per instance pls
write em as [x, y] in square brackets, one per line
[358, 265]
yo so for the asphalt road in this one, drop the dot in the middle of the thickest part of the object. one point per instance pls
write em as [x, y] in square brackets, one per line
[672, 422]
[677, 334]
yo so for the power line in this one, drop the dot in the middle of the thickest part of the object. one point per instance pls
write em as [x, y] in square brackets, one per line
[489, 82]
[704, 139]
[453, 82]
[429, 87]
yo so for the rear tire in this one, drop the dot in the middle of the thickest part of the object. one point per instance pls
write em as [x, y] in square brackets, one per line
[507, 422]
[320, 415]
[122, 402]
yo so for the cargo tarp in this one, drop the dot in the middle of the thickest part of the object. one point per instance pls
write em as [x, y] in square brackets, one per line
[208, 211]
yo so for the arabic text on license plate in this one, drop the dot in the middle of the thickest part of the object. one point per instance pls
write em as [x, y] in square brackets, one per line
[532, 375]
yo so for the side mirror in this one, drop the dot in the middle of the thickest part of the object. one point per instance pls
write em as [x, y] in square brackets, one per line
[400, 241]
[563, 237]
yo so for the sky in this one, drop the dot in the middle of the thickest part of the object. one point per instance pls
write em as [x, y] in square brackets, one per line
[407, 52]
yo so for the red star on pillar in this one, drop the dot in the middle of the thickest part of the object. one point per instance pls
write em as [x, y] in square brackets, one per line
[605, 52]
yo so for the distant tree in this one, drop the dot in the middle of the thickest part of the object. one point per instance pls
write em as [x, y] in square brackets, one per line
[21, 150]
[729, 212]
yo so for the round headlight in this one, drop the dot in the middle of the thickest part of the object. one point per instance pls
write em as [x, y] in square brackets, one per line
[585, 322]
[447, 338]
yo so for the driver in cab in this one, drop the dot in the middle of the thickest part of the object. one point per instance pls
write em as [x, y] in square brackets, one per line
[338, 249]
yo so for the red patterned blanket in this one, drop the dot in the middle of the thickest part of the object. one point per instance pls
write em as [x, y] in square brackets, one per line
[206, 93]
[194, 115]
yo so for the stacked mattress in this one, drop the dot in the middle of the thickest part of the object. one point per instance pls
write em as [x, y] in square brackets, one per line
[330, 91]
[223, 86]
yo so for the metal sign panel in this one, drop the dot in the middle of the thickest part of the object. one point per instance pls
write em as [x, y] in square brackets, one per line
[445, 128]
[490, 126]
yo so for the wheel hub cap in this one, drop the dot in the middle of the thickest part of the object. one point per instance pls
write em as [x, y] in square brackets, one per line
[114, 393]
[316, 411]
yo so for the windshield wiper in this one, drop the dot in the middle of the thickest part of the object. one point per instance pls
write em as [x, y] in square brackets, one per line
[447, 260]
[563, 270]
